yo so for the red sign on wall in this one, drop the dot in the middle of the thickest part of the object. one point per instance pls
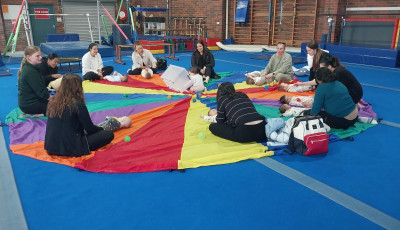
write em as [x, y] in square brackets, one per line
[43, 11]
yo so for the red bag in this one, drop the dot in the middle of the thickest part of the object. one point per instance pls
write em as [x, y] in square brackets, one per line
[309, 136]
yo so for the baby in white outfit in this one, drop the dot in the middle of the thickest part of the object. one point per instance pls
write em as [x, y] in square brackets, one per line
[116, 77]
[147, 73]
[212, 116]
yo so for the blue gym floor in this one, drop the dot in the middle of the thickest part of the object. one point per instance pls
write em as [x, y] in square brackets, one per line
[352, 187]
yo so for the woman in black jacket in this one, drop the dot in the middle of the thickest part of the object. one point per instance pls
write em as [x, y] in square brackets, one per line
[203, 61]
[344, 76]
[48, 68]
[70, 130]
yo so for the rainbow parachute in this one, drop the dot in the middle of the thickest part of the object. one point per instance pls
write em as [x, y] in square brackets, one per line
[166, 133]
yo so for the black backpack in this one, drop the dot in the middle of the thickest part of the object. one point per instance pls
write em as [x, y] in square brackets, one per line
[161, 63]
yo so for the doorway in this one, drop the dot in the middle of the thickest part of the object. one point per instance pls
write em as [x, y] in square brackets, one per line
[42, 23]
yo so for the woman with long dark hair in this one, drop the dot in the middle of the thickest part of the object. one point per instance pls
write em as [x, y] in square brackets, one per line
[343, 75]
[203, 61]
[237, 118]
[70, 130]
[340, 112]
[317, 53]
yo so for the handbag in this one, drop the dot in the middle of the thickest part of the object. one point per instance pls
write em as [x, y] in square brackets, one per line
[308, 136]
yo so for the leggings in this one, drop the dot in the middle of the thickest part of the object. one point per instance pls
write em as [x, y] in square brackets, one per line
[336, 122]
[106, 70]
[38, 108]
[240, 133]
[99, 139]
[209, 72]
[284, 77]
[138, 71]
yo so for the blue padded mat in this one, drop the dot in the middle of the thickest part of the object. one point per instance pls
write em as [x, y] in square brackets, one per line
[12, 60]
[73, 49]
[150, 37]
[365, 55]
[62, 37]
[5, 72]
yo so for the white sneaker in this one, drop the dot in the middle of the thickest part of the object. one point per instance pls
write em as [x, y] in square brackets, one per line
[367, 120]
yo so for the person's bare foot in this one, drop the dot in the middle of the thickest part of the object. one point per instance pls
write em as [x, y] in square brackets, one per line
[207, 79]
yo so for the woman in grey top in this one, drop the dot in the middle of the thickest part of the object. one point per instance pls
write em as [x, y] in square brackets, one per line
[279, 67]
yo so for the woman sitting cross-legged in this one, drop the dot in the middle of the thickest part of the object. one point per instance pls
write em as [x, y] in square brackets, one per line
[70, 130]
[142, 59]
[203, 61]
[340, 111]
[237, 118]
[33, 95]
[92, 64]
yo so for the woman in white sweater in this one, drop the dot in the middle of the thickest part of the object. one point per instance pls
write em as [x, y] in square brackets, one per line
[92, 64]
[142, 59]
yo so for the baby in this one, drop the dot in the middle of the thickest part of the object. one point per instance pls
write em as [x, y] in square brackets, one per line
[147, 73]
[304, 101]
[256, 78]
[289, 111]
[54, 85]
[116, 77]
[114, 123]
[196, 81]
[212, 116]
[294, 88]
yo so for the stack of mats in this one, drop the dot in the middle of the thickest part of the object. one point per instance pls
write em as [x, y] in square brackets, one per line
[212, 43]
[153, 49]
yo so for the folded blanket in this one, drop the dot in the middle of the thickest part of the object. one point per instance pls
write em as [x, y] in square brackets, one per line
[281, 135]
[272, 125]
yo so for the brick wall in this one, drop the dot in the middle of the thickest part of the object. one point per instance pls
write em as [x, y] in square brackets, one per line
[214, 11]
[6, 26]
[2, 32]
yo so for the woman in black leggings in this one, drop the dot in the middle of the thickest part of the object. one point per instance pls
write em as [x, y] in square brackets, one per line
[237, 118]
[70, 130]
[203, 61]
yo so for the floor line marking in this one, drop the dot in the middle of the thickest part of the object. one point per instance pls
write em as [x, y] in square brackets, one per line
[362, 209]
[396, 125]
[12, 215]
[239, 63]
[381, 87]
